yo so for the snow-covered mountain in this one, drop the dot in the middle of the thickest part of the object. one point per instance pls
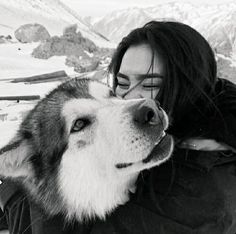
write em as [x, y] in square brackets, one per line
[53, 14]
[215, 22]
[117, 24]
[219, 27]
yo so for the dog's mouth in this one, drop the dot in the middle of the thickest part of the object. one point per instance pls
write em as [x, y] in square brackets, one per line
[161, 151]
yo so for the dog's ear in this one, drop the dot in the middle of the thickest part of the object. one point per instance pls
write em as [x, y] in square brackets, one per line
[14, 159]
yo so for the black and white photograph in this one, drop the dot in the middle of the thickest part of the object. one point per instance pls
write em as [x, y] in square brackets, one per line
[117, 117]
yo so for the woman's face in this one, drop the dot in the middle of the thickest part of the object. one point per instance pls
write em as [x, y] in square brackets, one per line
[136, 78]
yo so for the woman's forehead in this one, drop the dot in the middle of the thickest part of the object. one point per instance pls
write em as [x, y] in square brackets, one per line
[138, 59]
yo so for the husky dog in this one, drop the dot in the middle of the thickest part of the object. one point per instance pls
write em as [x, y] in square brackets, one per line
[80, 150]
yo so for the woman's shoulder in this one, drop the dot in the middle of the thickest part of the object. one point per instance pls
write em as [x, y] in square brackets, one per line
[225, 94]
[226, 82]
[223, 128]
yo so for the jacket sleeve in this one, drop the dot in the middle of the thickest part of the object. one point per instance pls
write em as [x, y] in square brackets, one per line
[226, 103]
[17, 213]
[25, 217]
[3, 221]
[7, 190]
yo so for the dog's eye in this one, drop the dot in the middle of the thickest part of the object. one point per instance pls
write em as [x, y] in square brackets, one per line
[79, 124]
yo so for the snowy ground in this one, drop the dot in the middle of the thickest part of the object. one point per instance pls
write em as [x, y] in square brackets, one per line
[13, 113]
[16, 61]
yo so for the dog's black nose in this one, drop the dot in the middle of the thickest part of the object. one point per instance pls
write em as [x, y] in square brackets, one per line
[148, 113]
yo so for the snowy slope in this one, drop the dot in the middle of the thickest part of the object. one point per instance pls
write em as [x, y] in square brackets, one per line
[15, 113]
[19, 63]
[53, 14]
[219, 28]
[16, 61]
[117, 24]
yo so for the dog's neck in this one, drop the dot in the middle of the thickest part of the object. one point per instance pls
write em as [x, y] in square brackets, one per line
[97, 198]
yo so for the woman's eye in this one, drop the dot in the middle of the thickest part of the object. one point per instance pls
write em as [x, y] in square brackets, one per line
[123, 85]
[152, 83]
[150, 87]
[79, 124]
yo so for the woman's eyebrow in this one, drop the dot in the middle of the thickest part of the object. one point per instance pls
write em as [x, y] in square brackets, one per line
[151, 75]
[141, 76]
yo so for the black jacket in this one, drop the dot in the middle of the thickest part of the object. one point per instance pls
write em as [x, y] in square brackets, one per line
[193, 193]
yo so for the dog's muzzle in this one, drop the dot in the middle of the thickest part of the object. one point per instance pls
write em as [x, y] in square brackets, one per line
[161, 150]
[149, 115]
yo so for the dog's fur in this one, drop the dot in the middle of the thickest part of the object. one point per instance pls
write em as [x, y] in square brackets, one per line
[79, 151]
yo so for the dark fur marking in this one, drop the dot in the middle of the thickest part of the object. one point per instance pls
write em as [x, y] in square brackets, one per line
[37, 163]
[10, 147]
[47, 163]
[26, 134]
[62, 130]
[57, 155]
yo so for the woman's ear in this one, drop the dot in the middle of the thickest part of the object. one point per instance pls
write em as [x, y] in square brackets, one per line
[14, 159]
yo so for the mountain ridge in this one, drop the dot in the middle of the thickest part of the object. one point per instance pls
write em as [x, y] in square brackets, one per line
[119, 23]
[53, 14]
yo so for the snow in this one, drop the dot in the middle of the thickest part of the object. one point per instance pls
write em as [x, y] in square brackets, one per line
[114, 27]
[16, 63]
[52, 14]
[15, 114]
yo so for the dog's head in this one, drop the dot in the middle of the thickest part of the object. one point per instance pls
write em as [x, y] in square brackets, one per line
[79, 151]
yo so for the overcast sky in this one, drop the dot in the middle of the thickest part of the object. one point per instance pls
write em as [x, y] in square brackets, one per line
[101, 7]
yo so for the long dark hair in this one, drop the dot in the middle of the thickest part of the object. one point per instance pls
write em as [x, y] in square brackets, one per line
[190, 65]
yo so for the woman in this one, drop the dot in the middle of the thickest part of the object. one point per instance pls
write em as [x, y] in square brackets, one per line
[195, 191]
